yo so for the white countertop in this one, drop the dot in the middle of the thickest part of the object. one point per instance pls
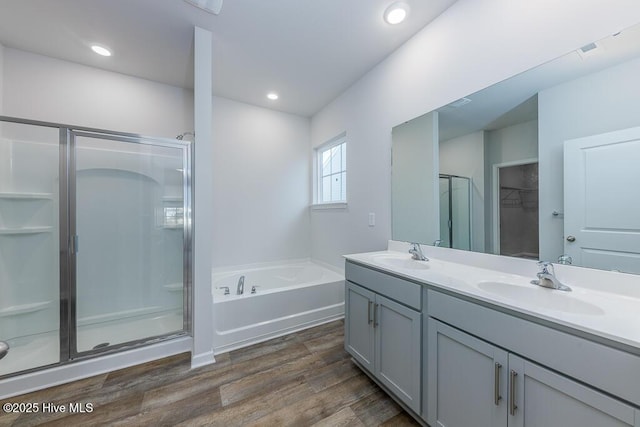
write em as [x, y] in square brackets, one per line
[608, 311]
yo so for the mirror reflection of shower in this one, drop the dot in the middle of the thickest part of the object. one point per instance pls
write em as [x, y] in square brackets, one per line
[455, 212]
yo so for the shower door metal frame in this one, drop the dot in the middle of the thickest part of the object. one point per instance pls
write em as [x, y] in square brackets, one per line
[66, 210]
[72, 240]
[449, 179]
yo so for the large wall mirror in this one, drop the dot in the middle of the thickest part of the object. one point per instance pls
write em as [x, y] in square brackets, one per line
[544, 165]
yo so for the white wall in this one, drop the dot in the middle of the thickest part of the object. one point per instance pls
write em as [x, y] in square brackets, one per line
[464, 156]
[602, 102]
[473, 44]
[261, 184]
[43, 88]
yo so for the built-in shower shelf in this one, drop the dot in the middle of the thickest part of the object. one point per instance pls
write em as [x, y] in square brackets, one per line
[20, 195]
[174, 287]
[25, 230]
[15, 310]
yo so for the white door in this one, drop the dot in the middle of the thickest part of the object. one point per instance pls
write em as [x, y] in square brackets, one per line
[602, 200]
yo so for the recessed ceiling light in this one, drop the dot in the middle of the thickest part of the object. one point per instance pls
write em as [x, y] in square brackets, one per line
[272, 96]
[396, 13]
[100, 50]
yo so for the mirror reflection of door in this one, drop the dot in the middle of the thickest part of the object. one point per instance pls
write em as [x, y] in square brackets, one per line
[518, 210]
[455, 212]
[602, 207]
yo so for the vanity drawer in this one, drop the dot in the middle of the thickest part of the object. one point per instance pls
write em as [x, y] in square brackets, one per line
[402, 291]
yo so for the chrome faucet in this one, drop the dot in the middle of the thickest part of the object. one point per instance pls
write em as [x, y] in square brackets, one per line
[240, 288]
[548, 279]
[437, 242]
[565, 259]
[416, 252]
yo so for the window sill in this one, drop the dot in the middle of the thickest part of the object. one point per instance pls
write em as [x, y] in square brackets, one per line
[325, 206]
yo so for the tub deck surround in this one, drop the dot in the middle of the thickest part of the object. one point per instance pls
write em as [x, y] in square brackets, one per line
[289, 296]
[603, 306]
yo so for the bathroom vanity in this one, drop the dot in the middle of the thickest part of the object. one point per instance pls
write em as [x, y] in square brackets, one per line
[459, 344]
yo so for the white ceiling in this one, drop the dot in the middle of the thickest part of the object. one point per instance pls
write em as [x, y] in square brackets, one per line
[307, 51]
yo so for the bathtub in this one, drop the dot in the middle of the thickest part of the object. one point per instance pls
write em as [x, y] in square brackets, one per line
[278, 299]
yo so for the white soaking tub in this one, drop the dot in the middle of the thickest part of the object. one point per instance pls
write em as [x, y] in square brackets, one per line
[288, 297]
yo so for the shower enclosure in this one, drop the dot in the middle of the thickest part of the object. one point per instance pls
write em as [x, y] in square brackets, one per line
[455, 212]
[95, 239]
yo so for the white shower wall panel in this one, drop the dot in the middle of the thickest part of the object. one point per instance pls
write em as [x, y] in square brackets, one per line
[29, 266]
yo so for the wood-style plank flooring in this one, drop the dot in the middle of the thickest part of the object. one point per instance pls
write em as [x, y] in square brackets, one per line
[302, 379]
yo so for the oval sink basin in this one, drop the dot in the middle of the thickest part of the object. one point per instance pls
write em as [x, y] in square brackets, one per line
[402, 262]
[541, 297]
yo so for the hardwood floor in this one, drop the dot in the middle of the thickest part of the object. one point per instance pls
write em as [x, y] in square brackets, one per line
[302, 379]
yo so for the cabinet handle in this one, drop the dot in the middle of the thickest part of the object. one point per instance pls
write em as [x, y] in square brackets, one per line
[375, 315]
[496, 384]
[369, 313]
[512, 392]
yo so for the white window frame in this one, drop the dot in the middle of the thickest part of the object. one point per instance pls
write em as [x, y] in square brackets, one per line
[317, 172]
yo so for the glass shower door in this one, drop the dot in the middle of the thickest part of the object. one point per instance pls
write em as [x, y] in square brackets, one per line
[461, 213]
[129, 240]
[455, 212]
[29, 247]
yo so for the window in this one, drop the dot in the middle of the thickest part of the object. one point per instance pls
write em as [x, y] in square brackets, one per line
[332, 171]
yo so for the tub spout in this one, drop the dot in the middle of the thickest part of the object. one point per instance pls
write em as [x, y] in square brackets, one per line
[240, 288]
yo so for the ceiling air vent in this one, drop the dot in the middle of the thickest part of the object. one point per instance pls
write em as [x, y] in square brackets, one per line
[589, 50]
[211, 6]
[460, 102]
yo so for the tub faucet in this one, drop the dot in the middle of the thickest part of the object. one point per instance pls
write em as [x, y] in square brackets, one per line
[548, 279]
[416, 252]
[240, 288]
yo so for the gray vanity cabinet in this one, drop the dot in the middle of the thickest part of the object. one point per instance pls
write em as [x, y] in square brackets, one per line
[397, 350]
[359, 332]
[467, 379]
[383, 335]
[474, 383]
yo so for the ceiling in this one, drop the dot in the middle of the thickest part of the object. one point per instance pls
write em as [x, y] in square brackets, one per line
[307, 51]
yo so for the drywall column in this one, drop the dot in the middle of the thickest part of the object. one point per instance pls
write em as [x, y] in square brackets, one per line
[202, 353]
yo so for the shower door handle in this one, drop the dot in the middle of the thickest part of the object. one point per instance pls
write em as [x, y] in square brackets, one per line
[74, 245]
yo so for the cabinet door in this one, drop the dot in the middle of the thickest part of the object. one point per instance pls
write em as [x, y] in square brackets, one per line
[397, 350]
[467, 380]
[545, 398]
[359, 333]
